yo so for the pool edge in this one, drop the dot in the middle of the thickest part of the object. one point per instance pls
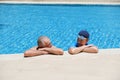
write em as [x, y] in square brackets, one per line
[61, 2]
[21, 56]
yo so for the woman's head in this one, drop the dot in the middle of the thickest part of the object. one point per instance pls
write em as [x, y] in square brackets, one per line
[44, 41]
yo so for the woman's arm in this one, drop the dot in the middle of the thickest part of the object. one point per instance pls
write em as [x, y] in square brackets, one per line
[34, 52]
[53, 50]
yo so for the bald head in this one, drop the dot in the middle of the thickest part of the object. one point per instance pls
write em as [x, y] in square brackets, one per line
[43, 41]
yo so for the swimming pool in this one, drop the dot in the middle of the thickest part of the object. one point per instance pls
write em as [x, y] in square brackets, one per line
[22, 24]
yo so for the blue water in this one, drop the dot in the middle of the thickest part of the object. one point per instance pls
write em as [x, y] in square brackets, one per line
[22, 24]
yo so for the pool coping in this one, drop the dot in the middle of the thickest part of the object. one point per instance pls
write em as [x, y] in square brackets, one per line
[17, 56]
[61, 2]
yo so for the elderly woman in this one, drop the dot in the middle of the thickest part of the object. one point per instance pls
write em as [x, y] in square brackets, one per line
[44, 47]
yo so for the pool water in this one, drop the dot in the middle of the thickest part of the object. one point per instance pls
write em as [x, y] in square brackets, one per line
[22, 24]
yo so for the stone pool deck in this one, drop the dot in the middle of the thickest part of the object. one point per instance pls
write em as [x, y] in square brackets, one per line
[102, 66]
[103, 2]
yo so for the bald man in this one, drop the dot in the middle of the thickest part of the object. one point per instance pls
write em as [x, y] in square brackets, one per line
[44, 47]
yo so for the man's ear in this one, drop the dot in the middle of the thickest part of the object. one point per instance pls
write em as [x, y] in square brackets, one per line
[87, 39]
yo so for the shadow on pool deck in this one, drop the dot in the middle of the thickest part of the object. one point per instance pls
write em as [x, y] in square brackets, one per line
[102, 66]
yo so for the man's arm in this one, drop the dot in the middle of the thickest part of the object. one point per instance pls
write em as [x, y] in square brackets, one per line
[33, 52]
[88, 49]
[53, 50]
[91, 49]
[76, 50]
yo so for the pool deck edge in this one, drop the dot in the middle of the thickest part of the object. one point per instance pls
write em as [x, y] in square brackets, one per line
[61, 2]
[101, 52]
[102, 66]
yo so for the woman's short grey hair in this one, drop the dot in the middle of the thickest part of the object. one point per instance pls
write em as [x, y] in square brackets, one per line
[40, 41]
